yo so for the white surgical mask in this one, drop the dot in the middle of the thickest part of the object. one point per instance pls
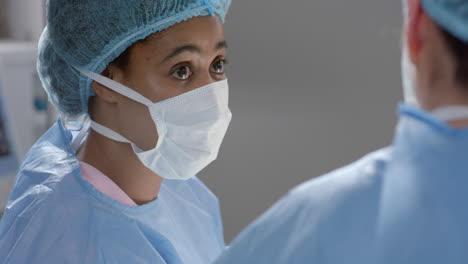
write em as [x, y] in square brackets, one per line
[408, 73]
[451, 113]
[191, 128]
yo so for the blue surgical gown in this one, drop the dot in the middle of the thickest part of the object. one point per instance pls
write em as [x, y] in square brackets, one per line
[405, 204]
[54, 216]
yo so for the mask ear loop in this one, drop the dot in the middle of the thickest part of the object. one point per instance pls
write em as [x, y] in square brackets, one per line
[109, 133]
[119, 88]
[78, 141]
[116, 87]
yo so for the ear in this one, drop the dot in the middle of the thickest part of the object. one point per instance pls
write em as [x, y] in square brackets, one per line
[104, 93]
[414, 29]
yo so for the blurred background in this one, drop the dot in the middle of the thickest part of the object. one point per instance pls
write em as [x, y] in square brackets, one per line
[314, 86]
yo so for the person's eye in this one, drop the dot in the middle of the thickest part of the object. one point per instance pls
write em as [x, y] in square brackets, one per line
[182, 72]
[218, 67]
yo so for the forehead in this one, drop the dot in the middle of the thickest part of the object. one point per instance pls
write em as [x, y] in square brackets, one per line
[205, 32]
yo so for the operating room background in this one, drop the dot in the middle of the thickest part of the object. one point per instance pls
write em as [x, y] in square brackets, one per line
[314, 86]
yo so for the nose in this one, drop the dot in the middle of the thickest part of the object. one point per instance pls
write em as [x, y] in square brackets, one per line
[205, 79]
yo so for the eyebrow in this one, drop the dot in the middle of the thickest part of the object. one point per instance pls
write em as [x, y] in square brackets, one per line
[222, 45]
[192, 48]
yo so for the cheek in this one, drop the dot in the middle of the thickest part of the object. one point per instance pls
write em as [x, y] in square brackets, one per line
[154, 85]
[433, 66]
[137, 125]
[169, 87]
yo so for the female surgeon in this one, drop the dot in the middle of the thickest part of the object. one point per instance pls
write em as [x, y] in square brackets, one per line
[146, 79]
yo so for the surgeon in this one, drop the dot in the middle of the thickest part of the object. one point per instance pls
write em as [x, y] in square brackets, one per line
[143, 99]
[405, 204]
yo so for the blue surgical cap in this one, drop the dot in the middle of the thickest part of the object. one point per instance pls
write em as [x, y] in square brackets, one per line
[451, 15]
[90, 34]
